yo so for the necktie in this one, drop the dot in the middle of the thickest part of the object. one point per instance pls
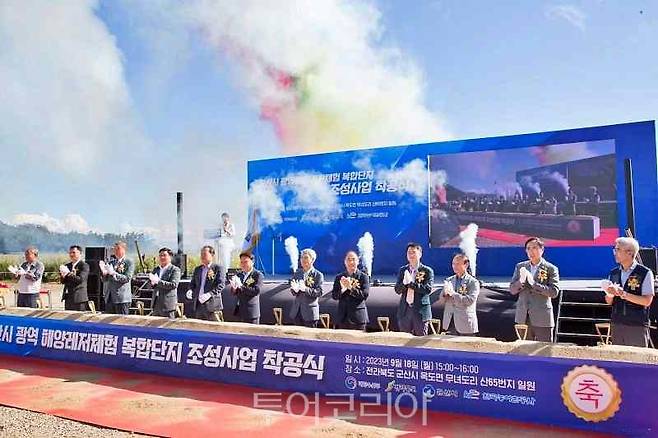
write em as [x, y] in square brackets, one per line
[204, 273]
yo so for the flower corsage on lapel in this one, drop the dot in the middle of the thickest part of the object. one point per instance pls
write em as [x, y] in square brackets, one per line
[633, 283]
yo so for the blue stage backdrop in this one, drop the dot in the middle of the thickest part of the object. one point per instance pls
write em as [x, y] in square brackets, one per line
[564, 186]
[612, 397]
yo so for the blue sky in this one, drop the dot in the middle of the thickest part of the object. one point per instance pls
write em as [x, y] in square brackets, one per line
[152, 98]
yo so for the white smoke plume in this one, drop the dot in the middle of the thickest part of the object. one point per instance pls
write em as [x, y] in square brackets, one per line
[313, 194]
[560, 179]
[293, 251]
[467, 244]
[317, 70]
[264, 198]
[528, 183]
[412, 178]
[65, 100]
[508, 189]
[366, 247]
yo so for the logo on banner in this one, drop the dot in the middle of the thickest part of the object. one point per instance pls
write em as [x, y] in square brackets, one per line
[429, 392]
[350, 383]
[591, 393]
[471, 394]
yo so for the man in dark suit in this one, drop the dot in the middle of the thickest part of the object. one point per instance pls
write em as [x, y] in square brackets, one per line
[74, 276]
[246, 286]
[351, 288]
[206, 286]
[306, 287]
[165, 279]
[414, 285]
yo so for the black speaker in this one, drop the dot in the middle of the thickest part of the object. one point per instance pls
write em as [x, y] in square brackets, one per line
[180, 260]
[93, 255]
[649, 258]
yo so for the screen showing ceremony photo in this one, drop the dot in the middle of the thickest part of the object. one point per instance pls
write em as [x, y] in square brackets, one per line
[563, 193]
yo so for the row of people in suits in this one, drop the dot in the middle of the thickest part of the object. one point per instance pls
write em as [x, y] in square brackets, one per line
[629, 289]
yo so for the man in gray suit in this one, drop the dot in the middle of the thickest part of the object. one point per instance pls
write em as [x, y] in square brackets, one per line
[246, 286]
[536, 281]
[306, 287]
[460, 294]
[165, 279]
[206, 286]
[116, 276]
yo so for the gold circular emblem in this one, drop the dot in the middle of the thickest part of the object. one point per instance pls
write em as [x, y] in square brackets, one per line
[591, 393]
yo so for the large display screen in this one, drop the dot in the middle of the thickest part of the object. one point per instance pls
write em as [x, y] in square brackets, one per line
[563, 193]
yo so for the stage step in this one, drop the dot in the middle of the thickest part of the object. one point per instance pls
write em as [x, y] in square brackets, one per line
[579, 335]
[576, 303]
[575, 318]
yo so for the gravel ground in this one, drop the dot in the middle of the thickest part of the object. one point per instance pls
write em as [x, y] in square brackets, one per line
[18, 423]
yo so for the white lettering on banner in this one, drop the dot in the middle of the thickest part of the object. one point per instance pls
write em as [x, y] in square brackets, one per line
[218, 356]
[397, 370]
[6, 333]
[508, 398]
[153, 349]
[294, 364]
[79, 341]
[352, 188]
[27, 335]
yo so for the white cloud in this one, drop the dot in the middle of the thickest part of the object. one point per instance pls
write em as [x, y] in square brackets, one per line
[570, 13]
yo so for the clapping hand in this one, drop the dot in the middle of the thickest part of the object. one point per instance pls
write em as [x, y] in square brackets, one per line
[236, 283]
[448, 290]
[408, 278]
[63, 270]
[154, 279]
[525, 276]
[345, 283]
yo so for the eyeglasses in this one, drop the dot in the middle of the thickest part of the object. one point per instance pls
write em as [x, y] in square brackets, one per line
[617, 249]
